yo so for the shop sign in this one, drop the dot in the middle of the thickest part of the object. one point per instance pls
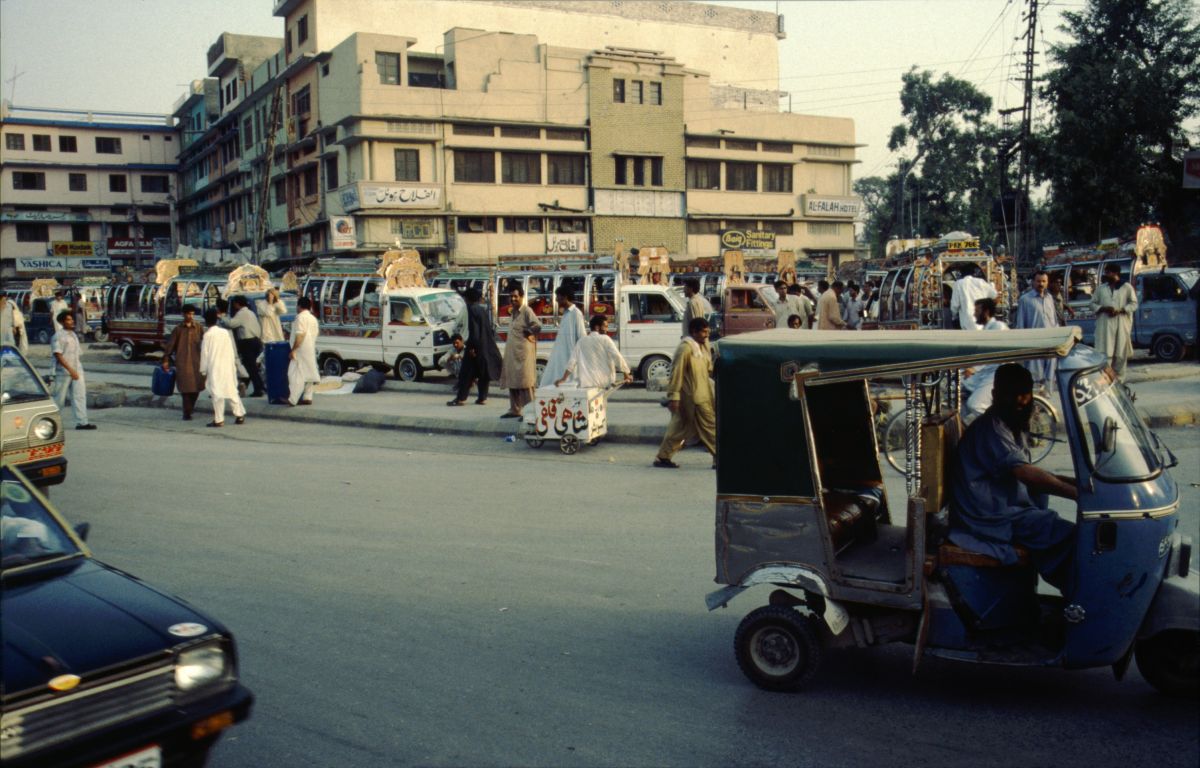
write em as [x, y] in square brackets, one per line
[422, 230]
[127, 246]
[341, 232]
[44, 265]
[830, 206]
[77, 248]
[566, 242]
[747, 240]
[384, 195]
[47, 216]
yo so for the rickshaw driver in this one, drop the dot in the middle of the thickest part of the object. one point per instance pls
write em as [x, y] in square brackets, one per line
[992, 508]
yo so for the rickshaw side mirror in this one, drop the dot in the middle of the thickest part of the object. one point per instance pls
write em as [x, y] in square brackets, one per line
[1108, 438]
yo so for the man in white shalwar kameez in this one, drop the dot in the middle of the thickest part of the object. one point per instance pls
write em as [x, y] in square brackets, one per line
[218, 364]
[303, 373]
[979, 384]
[595, 360]
[1114, 302]
[571, 329]
[967, 290]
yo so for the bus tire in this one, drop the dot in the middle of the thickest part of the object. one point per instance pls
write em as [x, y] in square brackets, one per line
[332, 365]
[408, 369]
[1168, 348]
[655, 366]
[129, 350]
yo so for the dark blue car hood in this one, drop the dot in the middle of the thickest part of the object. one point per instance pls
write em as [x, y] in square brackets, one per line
[82, 618]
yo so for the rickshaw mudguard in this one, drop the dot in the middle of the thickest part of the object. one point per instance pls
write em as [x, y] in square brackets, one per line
[797, 577]
[1176, 604]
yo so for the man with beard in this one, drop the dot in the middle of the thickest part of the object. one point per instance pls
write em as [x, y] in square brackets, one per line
[998, 497]
[480, 357]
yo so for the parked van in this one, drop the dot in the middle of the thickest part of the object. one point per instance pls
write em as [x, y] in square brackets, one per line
[31, 425]
[362, 322]
[645, 321]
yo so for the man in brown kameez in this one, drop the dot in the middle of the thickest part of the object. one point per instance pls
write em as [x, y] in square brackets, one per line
[690, 396]
[184, 344]
[519, 376]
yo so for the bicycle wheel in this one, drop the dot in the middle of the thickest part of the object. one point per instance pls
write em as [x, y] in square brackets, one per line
[1043, 429]
[895, 438]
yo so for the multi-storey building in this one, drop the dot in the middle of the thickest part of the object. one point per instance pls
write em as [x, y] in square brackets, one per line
[80, 187]
[469, 144]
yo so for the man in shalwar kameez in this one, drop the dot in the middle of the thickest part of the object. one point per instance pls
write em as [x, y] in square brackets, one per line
[571, 328]
[519, 376]
[303, 373]
[1037, 309]
[1114, 303]
[595, 360]
[218, 364]
[690, 396]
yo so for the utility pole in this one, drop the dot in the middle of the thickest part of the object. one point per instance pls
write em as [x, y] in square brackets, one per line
[1023, 226]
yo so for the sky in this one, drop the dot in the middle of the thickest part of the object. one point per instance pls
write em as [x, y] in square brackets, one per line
[841, 58]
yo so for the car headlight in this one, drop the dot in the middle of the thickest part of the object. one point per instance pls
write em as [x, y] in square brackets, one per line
[199, 667]
[44, 429]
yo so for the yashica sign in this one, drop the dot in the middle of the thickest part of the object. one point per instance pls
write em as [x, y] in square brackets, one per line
[341, 232]
[825, 205]
[384, 195]
[57, 265]
[79, 248]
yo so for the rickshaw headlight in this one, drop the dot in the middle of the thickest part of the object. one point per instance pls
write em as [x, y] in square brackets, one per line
[199, 667]
[44, 429]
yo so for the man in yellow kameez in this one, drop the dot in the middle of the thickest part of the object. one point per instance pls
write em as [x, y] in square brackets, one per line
[690, 396]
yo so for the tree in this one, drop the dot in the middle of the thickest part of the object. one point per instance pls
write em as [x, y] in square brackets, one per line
[1120, 92]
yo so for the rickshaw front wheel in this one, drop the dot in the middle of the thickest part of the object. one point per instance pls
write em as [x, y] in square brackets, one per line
[778, 648]
[1170, 661]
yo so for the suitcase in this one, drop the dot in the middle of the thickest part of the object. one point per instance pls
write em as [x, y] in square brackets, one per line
[275, 360]
[162, 383]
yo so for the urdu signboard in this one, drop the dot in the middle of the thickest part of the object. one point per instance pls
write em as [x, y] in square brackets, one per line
[386, 195]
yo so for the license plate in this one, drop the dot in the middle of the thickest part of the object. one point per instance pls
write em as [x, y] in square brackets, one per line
[150, 757]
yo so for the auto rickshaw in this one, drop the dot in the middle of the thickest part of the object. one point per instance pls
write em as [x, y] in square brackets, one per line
[807, 514]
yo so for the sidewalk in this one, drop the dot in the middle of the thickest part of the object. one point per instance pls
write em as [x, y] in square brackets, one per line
[1168, 395]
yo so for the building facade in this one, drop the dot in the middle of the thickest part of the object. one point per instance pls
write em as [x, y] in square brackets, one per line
[81, 192]
[599, 132]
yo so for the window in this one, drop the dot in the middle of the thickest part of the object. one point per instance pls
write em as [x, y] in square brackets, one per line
[324, 69]
[388, 65]
[310, 182]
[741, 177]
[476, 223]
[280, 193]
[742, 145]
[466, 129]
[14, 141]
[118, 229]
[621, 170]
[565, 169]
[777, 178]
[520, 168]
[41, 142]
[477, 167]
[248, 133]
[703, 227]
[408, 165]
[80, 232]
[108, 145]
[117, 182]
[652, 308]
[155, 210]
[777, 146]
[518, 224]
[520, 132]
[289, 42]
[28, 180]
[302, 29]
[824, 228]
[635, 92]
[656, 171]
[618, 91]
[639, 171]
[28, 232]
[654, 93]
[157, 184]
[564, 134]
[331, 173]
[77, 182]
[301, 102]
[568, 225]
[67, 144]
[744, 224]
[778, 227]
[703, 174]
[703, 142]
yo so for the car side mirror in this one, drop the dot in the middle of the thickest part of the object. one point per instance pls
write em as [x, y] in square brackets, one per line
[82, 530]
[1108, 438]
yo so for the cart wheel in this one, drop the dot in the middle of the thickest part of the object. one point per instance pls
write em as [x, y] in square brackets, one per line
[1170, 661]
[534, 442]
[777, 648]
[569, 445]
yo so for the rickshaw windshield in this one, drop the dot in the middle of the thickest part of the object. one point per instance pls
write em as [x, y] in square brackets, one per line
[1116, 441]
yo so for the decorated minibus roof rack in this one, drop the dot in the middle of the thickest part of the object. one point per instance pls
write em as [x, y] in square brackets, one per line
[550, 263]
[345, 267]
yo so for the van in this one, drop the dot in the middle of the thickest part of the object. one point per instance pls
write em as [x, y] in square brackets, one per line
[33, 438]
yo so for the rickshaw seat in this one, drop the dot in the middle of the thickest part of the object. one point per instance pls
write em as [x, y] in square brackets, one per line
[952, 554]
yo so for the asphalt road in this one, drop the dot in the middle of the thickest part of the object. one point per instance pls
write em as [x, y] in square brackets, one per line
[402, 599]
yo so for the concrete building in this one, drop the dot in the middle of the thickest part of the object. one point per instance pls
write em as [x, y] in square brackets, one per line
[80, 188]
[616, 124]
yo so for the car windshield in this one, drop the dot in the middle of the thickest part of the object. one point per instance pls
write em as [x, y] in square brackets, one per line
[1189, 278]
[1116, 439]
[442, 307]
[18, 382]
[28, 531]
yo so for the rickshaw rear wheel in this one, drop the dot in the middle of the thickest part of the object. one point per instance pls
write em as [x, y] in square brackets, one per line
[778, 648]
[1170, 661]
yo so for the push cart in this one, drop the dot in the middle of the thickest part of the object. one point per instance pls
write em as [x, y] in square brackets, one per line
[570, 415]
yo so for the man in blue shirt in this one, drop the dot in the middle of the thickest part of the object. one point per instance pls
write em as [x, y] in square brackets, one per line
[1038, 309]
[998, 497]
